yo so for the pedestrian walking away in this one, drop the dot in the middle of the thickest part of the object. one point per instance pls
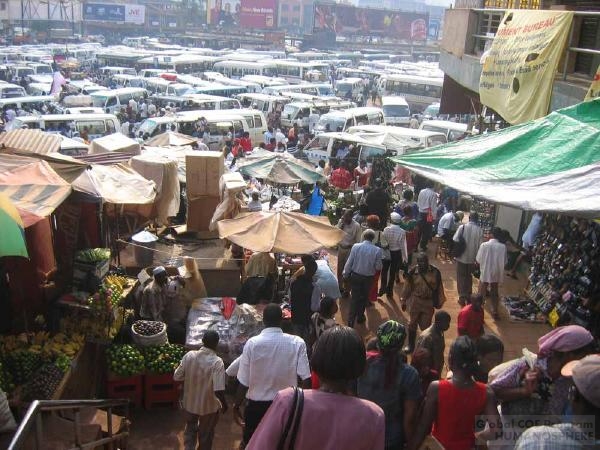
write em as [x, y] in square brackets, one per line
[472, 235]
[364, 261]
[203, 376]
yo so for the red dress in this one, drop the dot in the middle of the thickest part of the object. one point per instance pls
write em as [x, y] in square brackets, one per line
[456, 412]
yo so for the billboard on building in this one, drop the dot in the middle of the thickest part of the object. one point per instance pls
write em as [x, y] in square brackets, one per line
[258, 13]
[110, 12]
[349, 20]
[223, 12]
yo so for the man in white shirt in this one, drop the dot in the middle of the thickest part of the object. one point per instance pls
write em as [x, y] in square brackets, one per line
[447, 225]
[313, 119]
[270, 362]
[472, 233]
[427, 203]
[396, 238]
[491, 258]
[352, 234]
[203, 374]
[268, 135]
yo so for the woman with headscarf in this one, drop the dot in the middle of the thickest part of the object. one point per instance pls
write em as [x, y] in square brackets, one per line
[532, 385]
[392, 384]
[451, 405]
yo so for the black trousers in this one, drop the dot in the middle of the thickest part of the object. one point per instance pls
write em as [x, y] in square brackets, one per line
[252, 416]
[426, 230]
[360, 286]
[389, 270]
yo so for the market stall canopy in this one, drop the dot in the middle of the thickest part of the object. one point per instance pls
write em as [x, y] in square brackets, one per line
[66, 167]
[118, 184]
[389, 140]
[33, 186]
[115, 142]
[34, 141]
[285, 232]
[281, 168]
[551, 164]
[170, 138]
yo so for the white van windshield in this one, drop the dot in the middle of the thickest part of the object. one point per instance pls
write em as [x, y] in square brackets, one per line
[396, 111]
[290, 111]
[331, 123]
[98, 102]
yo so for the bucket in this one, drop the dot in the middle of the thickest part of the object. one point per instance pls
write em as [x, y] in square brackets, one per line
[144, 248]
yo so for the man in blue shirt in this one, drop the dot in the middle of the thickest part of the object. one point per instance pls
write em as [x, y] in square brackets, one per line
[364, 260]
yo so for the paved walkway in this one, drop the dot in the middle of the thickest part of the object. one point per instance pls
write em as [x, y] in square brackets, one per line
[163, 429]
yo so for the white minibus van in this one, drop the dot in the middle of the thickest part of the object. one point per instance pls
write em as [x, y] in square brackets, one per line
[342, 120]
[111, 101]
[395, 110]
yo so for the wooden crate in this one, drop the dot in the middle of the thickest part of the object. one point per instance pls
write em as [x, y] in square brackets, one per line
[161, 391]
[131, 388]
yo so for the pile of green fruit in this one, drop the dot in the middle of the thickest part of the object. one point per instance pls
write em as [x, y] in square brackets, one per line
[124, 360]
[43, 385]
[6, 380]
[93, 255]
[161, 359]
[63, 362]
[22, 364]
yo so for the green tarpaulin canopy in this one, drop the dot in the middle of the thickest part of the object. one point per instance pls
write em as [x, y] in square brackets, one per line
[550, 164]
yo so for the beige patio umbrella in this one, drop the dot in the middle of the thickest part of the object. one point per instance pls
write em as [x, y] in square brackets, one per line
[293, 233]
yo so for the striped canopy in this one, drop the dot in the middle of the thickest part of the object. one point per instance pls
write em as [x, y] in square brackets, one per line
[32, 186]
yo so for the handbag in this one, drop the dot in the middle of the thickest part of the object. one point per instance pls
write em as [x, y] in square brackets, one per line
[293, 421]
[385, 251]
[460, 246]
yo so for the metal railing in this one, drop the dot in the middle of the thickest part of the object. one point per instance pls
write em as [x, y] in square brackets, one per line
[489, 20]
[34, 416]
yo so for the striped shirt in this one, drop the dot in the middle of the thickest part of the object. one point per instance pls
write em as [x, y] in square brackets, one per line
[203, 374]
[396, 238]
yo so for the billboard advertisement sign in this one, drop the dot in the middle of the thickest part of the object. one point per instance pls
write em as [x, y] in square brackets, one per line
[351, 21]
[258, 13]
[110, 12]
[223, 12]
[135, 14]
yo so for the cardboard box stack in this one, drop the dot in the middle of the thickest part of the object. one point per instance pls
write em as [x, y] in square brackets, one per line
[203, 171]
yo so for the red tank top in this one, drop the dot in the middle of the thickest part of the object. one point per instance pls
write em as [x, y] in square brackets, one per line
[456, 412]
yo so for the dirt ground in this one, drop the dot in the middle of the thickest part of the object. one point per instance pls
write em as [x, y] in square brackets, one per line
[163, 428]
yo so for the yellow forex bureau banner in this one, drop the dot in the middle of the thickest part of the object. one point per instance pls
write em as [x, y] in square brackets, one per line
[519, 68]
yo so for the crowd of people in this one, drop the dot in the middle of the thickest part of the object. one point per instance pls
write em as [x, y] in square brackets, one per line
[403, 388]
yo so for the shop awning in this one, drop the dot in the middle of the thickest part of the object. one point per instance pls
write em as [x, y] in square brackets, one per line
[34, 141]
[33, 186]
[116, 142]
[118, 184]
[550, 164]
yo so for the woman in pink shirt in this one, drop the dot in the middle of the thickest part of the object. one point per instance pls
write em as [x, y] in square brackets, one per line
[338, 359]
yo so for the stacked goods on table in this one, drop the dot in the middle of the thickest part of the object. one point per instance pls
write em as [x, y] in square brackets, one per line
[522, 309]
[125, 368]
[89, 267]
[106, 314]
[36, 362]
[203, 172]
[144, 374]
[208, 314]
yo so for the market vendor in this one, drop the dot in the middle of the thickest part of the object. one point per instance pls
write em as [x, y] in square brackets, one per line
[261, 264]
[154, 296]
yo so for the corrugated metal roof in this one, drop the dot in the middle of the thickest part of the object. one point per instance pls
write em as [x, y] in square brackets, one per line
[34, 141]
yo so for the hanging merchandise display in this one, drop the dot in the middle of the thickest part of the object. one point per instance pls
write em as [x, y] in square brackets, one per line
[487, 216]
[565, 271]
